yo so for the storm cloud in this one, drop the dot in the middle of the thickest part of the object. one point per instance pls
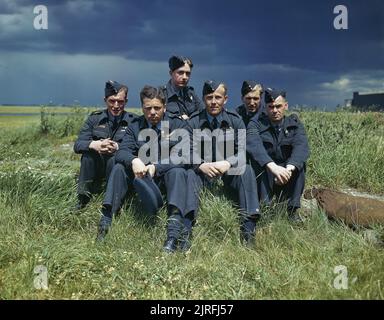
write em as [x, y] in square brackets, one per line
[292, 45]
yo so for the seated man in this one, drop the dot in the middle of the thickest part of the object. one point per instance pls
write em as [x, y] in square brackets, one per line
[99, 140]
[278, 148]
[251, 93]
[181, 99]
[224, 156]
[153, 170]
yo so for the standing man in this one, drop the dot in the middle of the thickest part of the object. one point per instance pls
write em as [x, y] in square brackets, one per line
[278, 147]
[181, 99]
[221, 158]
[251, 93]
[99, 139]
[145, 162]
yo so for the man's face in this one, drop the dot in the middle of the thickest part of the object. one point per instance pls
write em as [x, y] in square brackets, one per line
[252, 100]
[276, 109]
[153, 110]
[215, 101]
[180, 76]
[116, 103]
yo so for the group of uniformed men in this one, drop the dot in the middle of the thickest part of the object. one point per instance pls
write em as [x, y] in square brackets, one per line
[180, 145]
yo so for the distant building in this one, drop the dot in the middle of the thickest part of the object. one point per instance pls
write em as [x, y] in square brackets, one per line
[368, 101]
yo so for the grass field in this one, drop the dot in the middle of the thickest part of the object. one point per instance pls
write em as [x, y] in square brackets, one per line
[34, 109]
[23, 116]
[38, 172]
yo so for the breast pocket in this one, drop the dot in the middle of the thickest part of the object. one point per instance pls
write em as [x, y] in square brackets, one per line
[286, 147]
[100, 133]
[228, 137]
[226, 143]
[119, 135]
[173, 107]
[267, 142]
[268, 145]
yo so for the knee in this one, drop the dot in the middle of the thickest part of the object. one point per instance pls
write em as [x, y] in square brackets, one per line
[248, 176]
[118, 167]
[299, 176]
[248, 171]
[175, 173]
[192, 177]
[88, 158]
[118, 170]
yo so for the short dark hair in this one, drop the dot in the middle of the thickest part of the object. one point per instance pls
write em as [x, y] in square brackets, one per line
[176, 62]
[149, 92]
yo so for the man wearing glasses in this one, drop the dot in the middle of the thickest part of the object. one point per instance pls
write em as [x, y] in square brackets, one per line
[99, 140]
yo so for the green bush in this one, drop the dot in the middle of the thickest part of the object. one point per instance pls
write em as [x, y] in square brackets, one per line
[62, 125]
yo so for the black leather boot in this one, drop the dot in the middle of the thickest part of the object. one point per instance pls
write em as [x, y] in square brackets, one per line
[104, 224]
[185, 241]
[248, 231]
[82, 202]
[174, 228]
[294, 216]
[170, 245]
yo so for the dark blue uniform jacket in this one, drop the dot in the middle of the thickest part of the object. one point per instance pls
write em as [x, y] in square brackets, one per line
[290, 146]
[98, 126]
[242, 111]
[228, 120]
[177, 105]
[130, 146]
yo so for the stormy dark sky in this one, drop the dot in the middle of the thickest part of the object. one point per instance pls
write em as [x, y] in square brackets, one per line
[291, 45]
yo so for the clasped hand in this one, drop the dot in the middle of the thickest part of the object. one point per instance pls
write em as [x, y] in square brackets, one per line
[104, 146]
[140, 169]
[281, 174]
[215, 169]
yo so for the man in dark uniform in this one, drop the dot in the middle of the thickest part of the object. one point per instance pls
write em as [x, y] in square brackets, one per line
[148, 171]
[278, 147]
[251, 93]
[99, 139]
[181, 99]
[224, 156]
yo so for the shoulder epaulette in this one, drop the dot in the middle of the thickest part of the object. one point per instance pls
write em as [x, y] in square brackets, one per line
[132, 115]
[195, 113]
[234, 113]
[96, 112]
[174, 116]
[294, 117]
[263, 120]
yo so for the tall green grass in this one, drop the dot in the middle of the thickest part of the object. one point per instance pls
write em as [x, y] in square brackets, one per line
[37, 227]
[347, 150]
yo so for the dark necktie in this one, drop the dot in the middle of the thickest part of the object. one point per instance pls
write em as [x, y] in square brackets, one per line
[181, 94]
[277, 129]
[114, 123]
[158, 141]
[157, 130]
[214, 125]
